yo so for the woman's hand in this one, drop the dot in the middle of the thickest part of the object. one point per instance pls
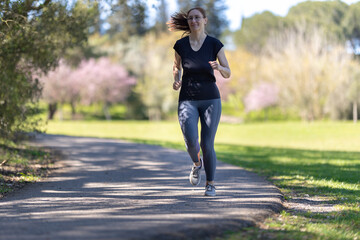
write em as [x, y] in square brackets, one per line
[223, 65]
[177, 72]
[214, 65]
[177, 85]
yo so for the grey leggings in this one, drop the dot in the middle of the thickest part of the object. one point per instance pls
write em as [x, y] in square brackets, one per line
[209, 112]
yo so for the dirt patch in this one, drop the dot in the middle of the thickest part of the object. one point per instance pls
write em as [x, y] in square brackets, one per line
[314, 204]
[25, 165]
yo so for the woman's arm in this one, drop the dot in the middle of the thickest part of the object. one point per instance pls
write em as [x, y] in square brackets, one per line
[177, 72]
[223, 67]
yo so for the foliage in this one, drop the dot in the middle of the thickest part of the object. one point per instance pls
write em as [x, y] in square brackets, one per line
[244, 74]
[271, 113]
[127, 19]
[93, 81]
[343, 103]
[263, 95]
[327, 15]
[106, 82]
[326, 84]
[21, 164]
[351, 26]
[33, 36]
[162, 16]
[61, 85]
[256, 29]
[155, 86]
[307, 68]
[92, 10]
[335, 18]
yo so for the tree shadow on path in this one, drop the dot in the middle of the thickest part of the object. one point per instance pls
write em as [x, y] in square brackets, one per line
[111, 189]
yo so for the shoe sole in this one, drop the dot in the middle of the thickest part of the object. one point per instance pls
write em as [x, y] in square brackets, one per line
[202, 164]
[191, 181]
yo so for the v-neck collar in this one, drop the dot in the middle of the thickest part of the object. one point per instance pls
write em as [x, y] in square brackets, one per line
[200, 46]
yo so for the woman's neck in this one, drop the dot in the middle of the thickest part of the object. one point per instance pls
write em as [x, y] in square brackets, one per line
[197, 36]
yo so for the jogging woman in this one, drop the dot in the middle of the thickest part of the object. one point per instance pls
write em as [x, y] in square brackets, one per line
[198, 55]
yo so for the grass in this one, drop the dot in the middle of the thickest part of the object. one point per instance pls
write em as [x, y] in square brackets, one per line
[319, 159]
[21, 164]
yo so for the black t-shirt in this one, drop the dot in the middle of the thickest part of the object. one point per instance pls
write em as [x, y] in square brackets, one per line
[198, 80]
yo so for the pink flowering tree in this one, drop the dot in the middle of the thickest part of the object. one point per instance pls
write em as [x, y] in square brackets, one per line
[104, 82]
[61, 86]
[262, 96]
[94, 81]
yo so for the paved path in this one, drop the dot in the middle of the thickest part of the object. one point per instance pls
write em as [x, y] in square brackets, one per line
[112, 189]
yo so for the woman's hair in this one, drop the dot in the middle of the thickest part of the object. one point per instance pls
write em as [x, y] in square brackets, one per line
[178, 21]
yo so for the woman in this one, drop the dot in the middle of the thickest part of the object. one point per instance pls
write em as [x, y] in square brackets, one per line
[199, 97]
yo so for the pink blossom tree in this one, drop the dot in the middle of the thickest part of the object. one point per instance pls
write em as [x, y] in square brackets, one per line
[61, 86]
[93, 81]
[104, 82]
[263, 95]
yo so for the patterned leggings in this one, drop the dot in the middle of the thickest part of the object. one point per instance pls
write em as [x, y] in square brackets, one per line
[209, 112]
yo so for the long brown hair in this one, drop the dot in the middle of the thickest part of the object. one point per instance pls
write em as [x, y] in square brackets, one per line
[178, 21]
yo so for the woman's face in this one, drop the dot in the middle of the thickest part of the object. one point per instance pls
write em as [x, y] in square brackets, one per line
[196, 20]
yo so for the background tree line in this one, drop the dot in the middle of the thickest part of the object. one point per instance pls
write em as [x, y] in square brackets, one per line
[310, 56]
[110, 53]
[34, 35]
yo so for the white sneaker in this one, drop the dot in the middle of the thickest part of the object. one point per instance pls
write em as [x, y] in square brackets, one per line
[195, 175]
[210, 190]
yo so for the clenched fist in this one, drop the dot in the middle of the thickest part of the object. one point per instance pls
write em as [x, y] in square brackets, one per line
[176, 85]
[214, 65]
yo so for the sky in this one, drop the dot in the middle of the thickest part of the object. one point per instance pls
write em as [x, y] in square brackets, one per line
[247, 8]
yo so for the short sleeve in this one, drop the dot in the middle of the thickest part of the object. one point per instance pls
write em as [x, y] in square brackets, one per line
[177, 47]
[217, 46]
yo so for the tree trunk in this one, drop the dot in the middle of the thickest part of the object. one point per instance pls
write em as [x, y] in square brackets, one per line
[52, 110]
[355, 113]
[61, 113]
[106, 112]
[73, 110]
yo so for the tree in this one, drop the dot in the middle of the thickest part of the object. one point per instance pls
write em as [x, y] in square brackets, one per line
[104, 82]
[326, 15]
[354, 88]
[307, 68]
[127, 19]
[154, 86]
[161, 16]
[60, 86]
[244, 75]
[33, 37]
[91, 9]
[351, 26]
[256, 30]
[93, 81]
[263, 95]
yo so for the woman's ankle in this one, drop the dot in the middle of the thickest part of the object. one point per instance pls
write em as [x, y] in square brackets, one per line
[197, 164]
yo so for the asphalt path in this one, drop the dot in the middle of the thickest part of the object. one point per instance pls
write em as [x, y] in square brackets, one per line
[113, 189]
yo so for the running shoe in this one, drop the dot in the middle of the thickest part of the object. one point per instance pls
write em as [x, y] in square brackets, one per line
[195, 175]
[210, 190]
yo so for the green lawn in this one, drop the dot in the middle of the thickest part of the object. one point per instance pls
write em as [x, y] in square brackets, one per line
[319, 159]
[342, 136]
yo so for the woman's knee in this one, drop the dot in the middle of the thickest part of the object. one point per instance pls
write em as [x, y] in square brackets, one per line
[207, 146]
[192, 144]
